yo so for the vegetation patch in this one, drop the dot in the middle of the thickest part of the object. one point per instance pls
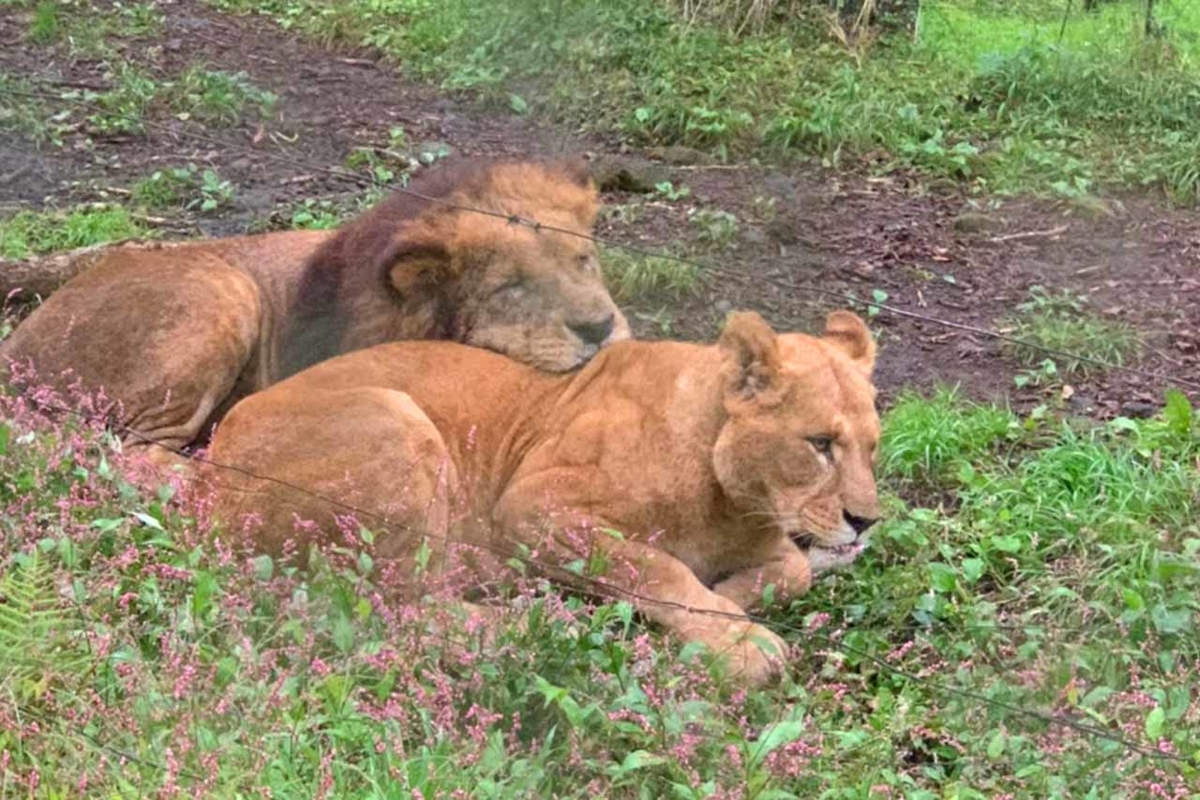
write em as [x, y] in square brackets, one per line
[1063, 323]
[30, 233]
[1065, 587]
[632, 276]
[983, 92]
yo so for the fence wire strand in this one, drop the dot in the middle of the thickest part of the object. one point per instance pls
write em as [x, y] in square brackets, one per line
[801, 286]
[612, 591]
[601, 588]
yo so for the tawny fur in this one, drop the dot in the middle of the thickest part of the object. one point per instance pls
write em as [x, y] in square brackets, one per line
[709, 447]
[176, 335]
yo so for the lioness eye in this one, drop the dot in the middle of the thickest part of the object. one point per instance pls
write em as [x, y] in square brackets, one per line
[822, 444]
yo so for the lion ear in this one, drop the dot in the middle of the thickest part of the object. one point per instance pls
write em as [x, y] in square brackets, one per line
[752, 361]
[411, 264]
[847, 331]
[577, 170]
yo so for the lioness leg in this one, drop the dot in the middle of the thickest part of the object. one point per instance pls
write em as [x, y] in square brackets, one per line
[787, 569]
[367, 452]
[666, 591]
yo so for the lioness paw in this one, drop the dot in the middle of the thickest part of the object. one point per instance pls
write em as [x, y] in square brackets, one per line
[755, 654]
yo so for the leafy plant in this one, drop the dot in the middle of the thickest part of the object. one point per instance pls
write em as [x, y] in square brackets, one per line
[718, 228]
[215, 192]
[217, 97]
[1063, 324]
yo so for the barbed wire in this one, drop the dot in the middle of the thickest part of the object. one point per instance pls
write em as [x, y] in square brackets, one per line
[615, 592]
[601, 588]
[803, 285]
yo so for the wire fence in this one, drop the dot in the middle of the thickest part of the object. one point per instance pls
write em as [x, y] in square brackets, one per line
[810, 286]
[611, 591]
[606, 589]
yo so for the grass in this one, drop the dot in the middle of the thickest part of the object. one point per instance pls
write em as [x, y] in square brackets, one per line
[632, 276]
[216, 97]
[984, 93]
[30, 233]
[931, 440]
[153, 659]
[1063, 323]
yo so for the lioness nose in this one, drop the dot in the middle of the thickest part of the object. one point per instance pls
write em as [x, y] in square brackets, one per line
[593, 332]
[859, 524]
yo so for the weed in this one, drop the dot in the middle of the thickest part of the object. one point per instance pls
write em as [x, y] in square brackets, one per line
[217, 97]
[214, 192]
[123, 107]
[929, 439]
[28, 233]
[718, 228]
[631, 276]
[45, 27]
[669, 192]
[1062, 322]
[141, 19]
[166, 188]
[315, 215]
[27, 115]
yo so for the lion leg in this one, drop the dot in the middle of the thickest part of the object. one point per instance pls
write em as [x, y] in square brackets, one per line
[302, 466]
[161, 343]
[786, 568]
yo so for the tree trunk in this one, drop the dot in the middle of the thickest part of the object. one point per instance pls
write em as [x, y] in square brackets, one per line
[892, 15]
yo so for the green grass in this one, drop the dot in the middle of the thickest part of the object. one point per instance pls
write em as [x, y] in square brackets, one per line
[632, 276]
[1063, 323]
[216, 97]
[1066, 583]
[30, 233]
[45, 26]
[930, 440]
[984, 93]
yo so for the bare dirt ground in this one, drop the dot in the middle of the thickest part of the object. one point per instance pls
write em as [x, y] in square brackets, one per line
[932, 253]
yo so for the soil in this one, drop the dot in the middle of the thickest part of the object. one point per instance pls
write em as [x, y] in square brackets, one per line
[803, 232]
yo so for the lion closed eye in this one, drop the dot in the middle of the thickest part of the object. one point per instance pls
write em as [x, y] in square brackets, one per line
[175, 335]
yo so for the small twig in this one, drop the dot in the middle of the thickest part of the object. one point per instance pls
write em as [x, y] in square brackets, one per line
[1008, 237]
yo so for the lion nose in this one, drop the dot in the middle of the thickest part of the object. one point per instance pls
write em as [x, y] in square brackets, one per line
[859, 524]
[593, 332]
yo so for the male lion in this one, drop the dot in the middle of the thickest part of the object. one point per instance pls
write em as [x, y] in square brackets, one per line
[727, 467]
[177, 335]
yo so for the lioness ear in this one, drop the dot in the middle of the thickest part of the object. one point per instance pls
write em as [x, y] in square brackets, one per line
[753, 361]
[846, 330]
[410, 264]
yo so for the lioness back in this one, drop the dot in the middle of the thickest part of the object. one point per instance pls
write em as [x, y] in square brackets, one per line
[724, 468]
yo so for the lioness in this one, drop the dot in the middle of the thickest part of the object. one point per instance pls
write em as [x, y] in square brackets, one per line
[177, 335]
[726, 467]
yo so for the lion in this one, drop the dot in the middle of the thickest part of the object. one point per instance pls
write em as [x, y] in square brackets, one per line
[175, 336]
[725, 467]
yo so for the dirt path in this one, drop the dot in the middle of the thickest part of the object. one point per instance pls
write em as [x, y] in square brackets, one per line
[1136, 261]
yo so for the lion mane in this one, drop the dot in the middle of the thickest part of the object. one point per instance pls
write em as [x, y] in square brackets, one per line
[175, 335]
